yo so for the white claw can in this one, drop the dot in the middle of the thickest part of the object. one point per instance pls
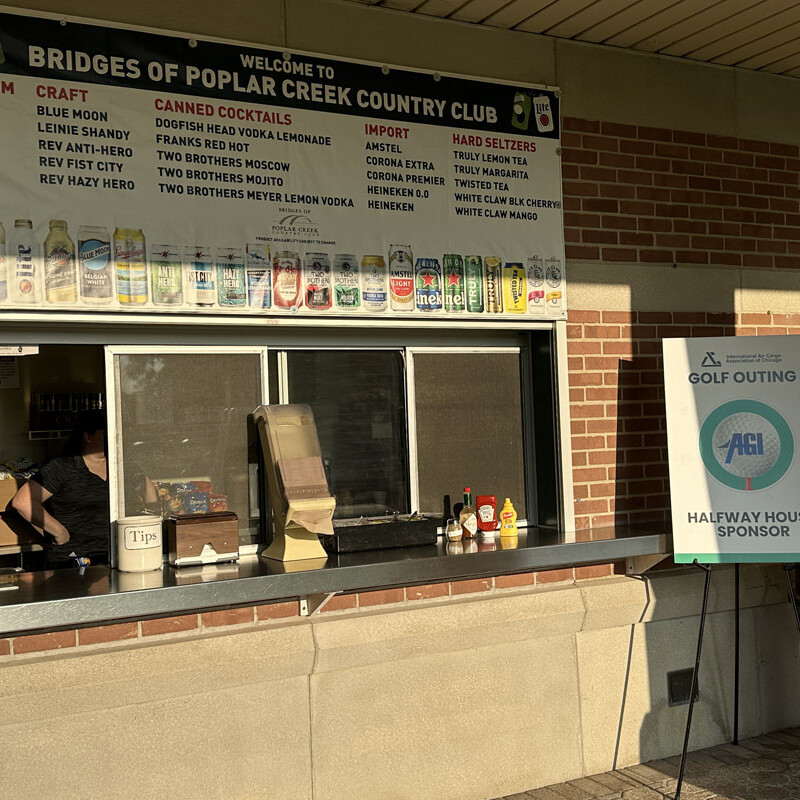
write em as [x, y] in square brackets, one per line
[139, 545]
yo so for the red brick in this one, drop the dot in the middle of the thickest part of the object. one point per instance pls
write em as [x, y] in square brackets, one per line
[617, 160]
[704, 154]
[380, 597]
[754, 145]
[751, 260]
[228, 616]
[656, 256]
[649, 193]
[751, 174]
[599, 237]
[600, 426]
[726, 259]
[739, 215]
[588, 410]
[583, 347]
[342, 602]
[653, 164]
[277, 611]
[776, 176]
[584, 125]
[574, 219]
[44, 641]
[572, 156]
[619, 223]
[708, 242]
[725, 229]
[687, 137]
[637, 207]
[767, 246]
[720, 171]
[770, 162]
[601, 143]
[511, 581]
[428, 591]
[719, 199]
[778, 149]
[737, 243]
[616, 190]
[594, 571]
[787, 262]
[658, 134]
[722, 141]
[689, 196]
[576, 315]
[672, 181]
[578, 252]
[638, 178]
[470, 587]
[687, 168]
[779, 204]
[588, 475]
[108, 633]
[155, 627]
[5, 647]
[592, 204]
[706, 184]
[603, 489]
[672, 240]
[618, 316]
[655, 225]
[704, 212]
[572, 203]
[770, 189]
[786, 233]
[751, 201]
[577, 189]
[770, 218]
[671, 210]
[740, 159]
[637, 148]
[636, 239]
[672, 150]
[559, 575]
[655, 317]
[617, 254]
[577, 396]
[616, 129]
[601, 457]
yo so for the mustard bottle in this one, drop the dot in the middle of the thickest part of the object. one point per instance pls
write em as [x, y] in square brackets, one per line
[508, 519]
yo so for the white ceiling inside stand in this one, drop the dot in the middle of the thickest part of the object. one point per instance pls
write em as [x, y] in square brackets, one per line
[752, 34]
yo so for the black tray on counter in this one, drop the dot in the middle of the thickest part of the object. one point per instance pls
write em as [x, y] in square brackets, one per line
[382, 535]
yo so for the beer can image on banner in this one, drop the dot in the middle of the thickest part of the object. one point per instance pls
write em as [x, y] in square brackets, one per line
[554, 299]
[515, 284]
[401, 277]
[24, 264]
[535, 285]
[286, 280]
[201, 289]
[166, 275]
[258, 274]
[374, 283]
[95, 276]
[231, 290]
[317, 279]
[428, 284]
[473, 269]
[494, 284]
[453, 283]
[130, 265]
[346, 282]
[60, 275]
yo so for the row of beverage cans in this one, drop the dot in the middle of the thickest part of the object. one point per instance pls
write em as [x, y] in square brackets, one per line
[99, 269]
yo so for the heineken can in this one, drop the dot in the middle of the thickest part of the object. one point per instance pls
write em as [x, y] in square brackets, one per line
[401, 277]
[317, 276]
[514, 288]
[494, 284]
[231, 288]
[428, 284]
[535, 285]
[346, 284]
[454, 285]
[166, 275]
[473, 267]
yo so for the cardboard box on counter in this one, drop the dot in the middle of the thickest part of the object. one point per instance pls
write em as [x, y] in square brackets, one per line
[13, 529]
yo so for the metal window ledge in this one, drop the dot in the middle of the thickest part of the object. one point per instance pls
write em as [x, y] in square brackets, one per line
[63, 599]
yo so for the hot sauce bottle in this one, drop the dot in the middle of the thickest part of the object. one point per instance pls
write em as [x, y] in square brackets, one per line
[468, 516]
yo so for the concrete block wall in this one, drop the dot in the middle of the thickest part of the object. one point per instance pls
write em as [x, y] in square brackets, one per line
[479, 697]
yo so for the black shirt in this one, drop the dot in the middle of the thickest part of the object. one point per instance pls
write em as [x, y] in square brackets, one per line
[80, 504]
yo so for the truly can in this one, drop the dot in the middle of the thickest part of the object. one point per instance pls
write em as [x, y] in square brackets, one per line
[401, 277]
[317, 279]
[130, 265]
[95, 276]
[473, 274]
[201, 288]
[286, 279]
[346, 283]
[258, 274]
[453, 283]
[375, 284]
[231, 290]
[515, 284]
[166, 275]
[428, 282]
[60, 275]
[554, 299]
[494, 284]
[535, 285]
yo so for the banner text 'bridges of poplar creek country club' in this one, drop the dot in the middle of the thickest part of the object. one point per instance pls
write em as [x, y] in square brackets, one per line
[160, 173]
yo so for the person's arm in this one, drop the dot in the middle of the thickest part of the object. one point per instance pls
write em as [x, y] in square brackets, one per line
[28, 502]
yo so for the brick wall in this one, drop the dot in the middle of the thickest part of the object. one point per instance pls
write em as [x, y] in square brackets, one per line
[657, 196]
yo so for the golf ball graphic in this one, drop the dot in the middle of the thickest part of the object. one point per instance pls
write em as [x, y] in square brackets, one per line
[746, 444]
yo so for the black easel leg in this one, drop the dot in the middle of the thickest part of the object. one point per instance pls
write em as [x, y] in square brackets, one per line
[736, 660]
[694, 677]
[787, 569]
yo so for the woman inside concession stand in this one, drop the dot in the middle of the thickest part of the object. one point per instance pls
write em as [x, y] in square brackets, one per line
[68, 498]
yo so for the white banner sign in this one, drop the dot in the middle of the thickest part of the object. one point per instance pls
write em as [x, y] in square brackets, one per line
[732, 423]
[158, 173]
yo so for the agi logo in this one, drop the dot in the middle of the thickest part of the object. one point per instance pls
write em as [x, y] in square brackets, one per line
[746, 445]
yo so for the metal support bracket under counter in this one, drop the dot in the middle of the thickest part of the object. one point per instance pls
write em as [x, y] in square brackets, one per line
[63, 599]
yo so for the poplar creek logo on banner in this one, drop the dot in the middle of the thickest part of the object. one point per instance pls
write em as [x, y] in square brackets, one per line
[732, 417]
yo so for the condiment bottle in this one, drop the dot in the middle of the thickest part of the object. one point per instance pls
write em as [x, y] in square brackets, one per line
[468, 516]
[453, 530]
[487, 512]
[508, 519]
